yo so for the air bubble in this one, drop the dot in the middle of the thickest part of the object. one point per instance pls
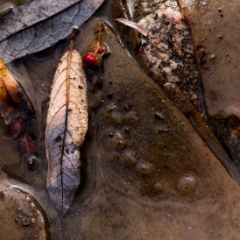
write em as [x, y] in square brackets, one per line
[187, 183]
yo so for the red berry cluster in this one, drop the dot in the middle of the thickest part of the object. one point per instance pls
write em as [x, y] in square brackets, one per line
[94, 59]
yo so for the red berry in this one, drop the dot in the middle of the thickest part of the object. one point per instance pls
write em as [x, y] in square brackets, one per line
[101, 49]
[89, 59]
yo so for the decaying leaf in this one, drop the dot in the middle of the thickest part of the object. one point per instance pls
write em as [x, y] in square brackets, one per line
[17, 113]
[46, 33]
[30, 13]
[66, 127]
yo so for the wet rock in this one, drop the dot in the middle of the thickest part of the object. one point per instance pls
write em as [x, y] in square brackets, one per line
[221, 90]
[168, 52]
[220, 50]
[16, 215]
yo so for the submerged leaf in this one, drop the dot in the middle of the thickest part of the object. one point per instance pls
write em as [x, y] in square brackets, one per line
[66, 127]
[17, 113]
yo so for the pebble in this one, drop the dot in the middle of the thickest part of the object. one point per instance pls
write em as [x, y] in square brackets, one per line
[158, 116]
[158, 186]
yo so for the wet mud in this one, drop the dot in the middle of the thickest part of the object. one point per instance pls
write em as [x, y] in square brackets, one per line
[146, 173]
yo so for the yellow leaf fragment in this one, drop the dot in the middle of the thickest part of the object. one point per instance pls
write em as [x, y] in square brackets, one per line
[17, 113]
[7, 82]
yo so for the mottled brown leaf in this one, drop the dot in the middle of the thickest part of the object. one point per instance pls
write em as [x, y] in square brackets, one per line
[66, 127]
[47, 32]
[17, 113]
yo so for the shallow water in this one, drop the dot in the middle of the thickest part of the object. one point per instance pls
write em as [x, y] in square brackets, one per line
[146, 172]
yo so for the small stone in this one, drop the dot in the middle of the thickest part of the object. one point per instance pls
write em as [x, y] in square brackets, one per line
[145, 167]
[31, 159]
[33, 221]
[162, 130]
[212, 56]
[158, 116]
[25, 222]
[158, 186]
[194, 96]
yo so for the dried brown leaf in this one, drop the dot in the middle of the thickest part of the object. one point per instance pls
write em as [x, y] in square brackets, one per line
[66, 127]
